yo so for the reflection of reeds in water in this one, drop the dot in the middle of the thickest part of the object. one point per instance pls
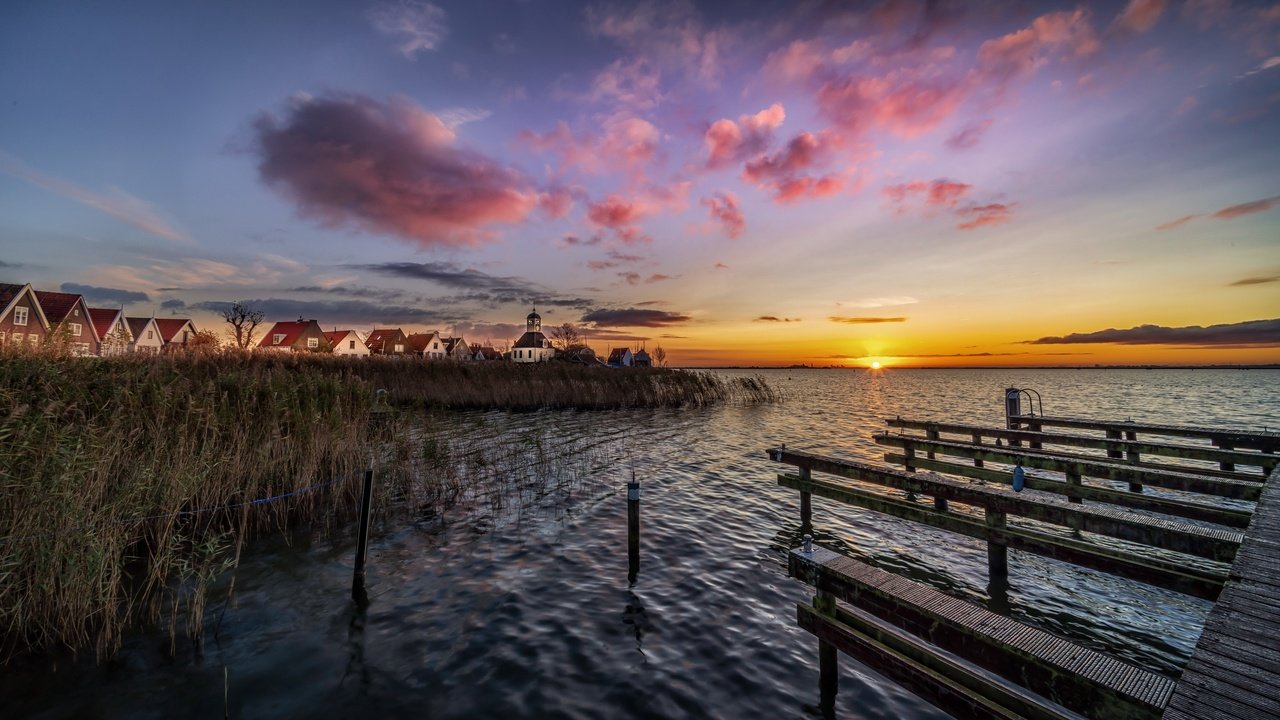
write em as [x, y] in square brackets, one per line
[127, 484]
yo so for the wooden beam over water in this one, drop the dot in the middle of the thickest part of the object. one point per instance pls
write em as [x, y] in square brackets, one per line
[1229, 517]
[1084, 465]
[1077, 678]
[1184, 575]
[1185, 452]
[1264, 441]
[1209, 543]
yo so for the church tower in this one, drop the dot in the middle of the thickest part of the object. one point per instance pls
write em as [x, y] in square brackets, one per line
[533, 323]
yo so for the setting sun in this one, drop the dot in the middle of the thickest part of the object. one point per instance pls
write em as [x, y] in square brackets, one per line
[875, 365]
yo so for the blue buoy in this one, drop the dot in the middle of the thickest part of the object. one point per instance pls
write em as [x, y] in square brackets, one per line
[1019, 478]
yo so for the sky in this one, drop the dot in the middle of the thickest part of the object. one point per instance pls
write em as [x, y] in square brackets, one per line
[764, 183]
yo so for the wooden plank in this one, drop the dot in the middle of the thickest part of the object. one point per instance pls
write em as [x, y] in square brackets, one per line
[1084, 465]
[957, 687]
[1210, 543]
[1266, 441]
[1200, 579]
[1080, 679]
[1229, 517]
[1234, 671]
[1187, 452]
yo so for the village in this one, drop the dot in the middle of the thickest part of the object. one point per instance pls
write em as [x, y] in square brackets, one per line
[42, 319]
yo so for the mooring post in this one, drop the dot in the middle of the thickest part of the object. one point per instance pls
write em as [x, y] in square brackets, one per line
[828, 670]
[1113, 451]
[932, 435]
[1133, 457]
[997, 551]
[1012, 408]
[977, 440]
[1074, 478]
[806, 499]
[1230, 467]
[362, 538]
[633, 529]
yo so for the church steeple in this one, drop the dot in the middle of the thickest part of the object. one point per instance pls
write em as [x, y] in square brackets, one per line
[533, 323]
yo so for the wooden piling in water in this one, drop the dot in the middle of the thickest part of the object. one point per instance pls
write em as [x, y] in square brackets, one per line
[362, 539]
[633, 529]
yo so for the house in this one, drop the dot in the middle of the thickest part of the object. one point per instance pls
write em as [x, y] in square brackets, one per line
[347, 342]
[428, 346]
[387, 341]
[69, 321]
[175, 333]
[22, 320]
[641, 359]
[113, 331]
[457, 349]
[532, 346]
[620, 357]
[295, 336]
[582, 355]
[484, 352]
[145, 334]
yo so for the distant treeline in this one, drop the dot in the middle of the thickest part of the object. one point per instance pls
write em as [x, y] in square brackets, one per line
[124, 481]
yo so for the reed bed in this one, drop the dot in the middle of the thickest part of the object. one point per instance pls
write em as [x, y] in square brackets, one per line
[128, 485]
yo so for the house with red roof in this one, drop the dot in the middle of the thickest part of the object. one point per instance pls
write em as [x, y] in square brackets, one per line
[347, 342]
[22, 320]
[69, 321]
[296, 336]
[175, 333]
[387, 341]
[146, 335]
[113, 331]
[428, 346]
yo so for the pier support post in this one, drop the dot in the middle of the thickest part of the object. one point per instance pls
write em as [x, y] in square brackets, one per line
[828, 670]
[977, 440]
[1113, 451]
[1133, 456]
[633, 529]
[1012, 408]
[806, 500]
[1230, 467]
[362, 539]
[997, 552]
[1073, 478]
[1034, 427]
[932, 435]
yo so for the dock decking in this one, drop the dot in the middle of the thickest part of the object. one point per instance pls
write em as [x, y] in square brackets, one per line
[1234, 672]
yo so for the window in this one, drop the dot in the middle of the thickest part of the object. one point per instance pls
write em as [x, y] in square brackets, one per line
[277, 338]
[1, 337]
[184, 337]
[313, 343]
[19, 316]
[82, 348]
[399, 347]
[151, 334]
[351, 344]
[33, 339]
[435, 346]
[75, 329]
[75, 312]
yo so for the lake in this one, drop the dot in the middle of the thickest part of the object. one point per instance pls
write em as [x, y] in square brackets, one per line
[515, 603]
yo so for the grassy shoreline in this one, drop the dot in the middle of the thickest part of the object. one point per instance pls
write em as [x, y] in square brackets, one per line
[127, 484]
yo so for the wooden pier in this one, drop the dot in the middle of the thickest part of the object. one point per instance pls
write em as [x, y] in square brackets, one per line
[1201, 519]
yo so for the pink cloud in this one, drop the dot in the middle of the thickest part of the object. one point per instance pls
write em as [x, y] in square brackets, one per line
[980, 215]
[556, 202]
[802, 187]
[799, 60]
[1248, 208]
[1024, 51]
[1139, 16]
[783, 172]
[904, 106]
[628, 82]
[723, 206]
[1176, 223]
[937, 193]
[729, 142]
[615, 212]
[387, 168]
[625, 143]
[968, 136]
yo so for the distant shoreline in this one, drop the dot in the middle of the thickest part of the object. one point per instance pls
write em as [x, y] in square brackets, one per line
[1270, 366]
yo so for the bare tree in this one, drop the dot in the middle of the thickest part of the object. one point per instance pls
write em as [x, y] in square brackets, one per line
[243, 319]
[566, 337]
[660, 355]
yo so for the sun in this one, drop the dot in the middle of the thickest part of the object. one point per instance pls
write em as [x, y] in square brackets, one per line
[875, 364]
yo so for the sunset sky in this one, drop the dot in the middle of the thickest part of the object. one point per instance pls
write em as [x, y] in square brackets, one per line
[938, 183]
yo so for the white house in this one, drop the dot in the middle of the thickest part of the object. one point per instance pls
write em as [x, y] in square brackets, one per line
[146, 335]
[112, 331]
[428, 346]
[532, 346]
[347, 342]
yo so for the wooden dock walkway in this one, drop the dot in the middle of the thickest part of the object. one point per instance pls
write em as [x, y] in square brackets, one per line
[1200, 519]
[1234, 672]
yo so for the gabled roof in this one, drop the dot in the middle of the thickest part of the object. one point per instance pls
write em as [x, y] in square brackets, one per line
[10, 294]
[486, 352]
[419, 341]
[641, 354]
[531, 340]
[451, 344]
[57, 305]
[137, 326]
[378, 337]
[170, 327]
[290, 329]
[618, 354]
[336, 336]
[104, 319]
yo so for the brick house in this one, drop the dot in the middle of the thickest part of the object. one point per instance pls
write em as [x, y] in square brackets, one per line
[69, 321]
[22, 320]
[296, 336]
[113, 332]
[387, 341]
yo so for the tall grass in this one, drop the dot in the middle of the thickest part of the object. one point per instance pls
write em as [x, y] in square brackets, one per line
[125, 483]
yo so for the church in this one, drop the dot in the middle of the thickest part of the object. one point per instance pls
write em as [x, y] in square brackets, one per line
[532, 346]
